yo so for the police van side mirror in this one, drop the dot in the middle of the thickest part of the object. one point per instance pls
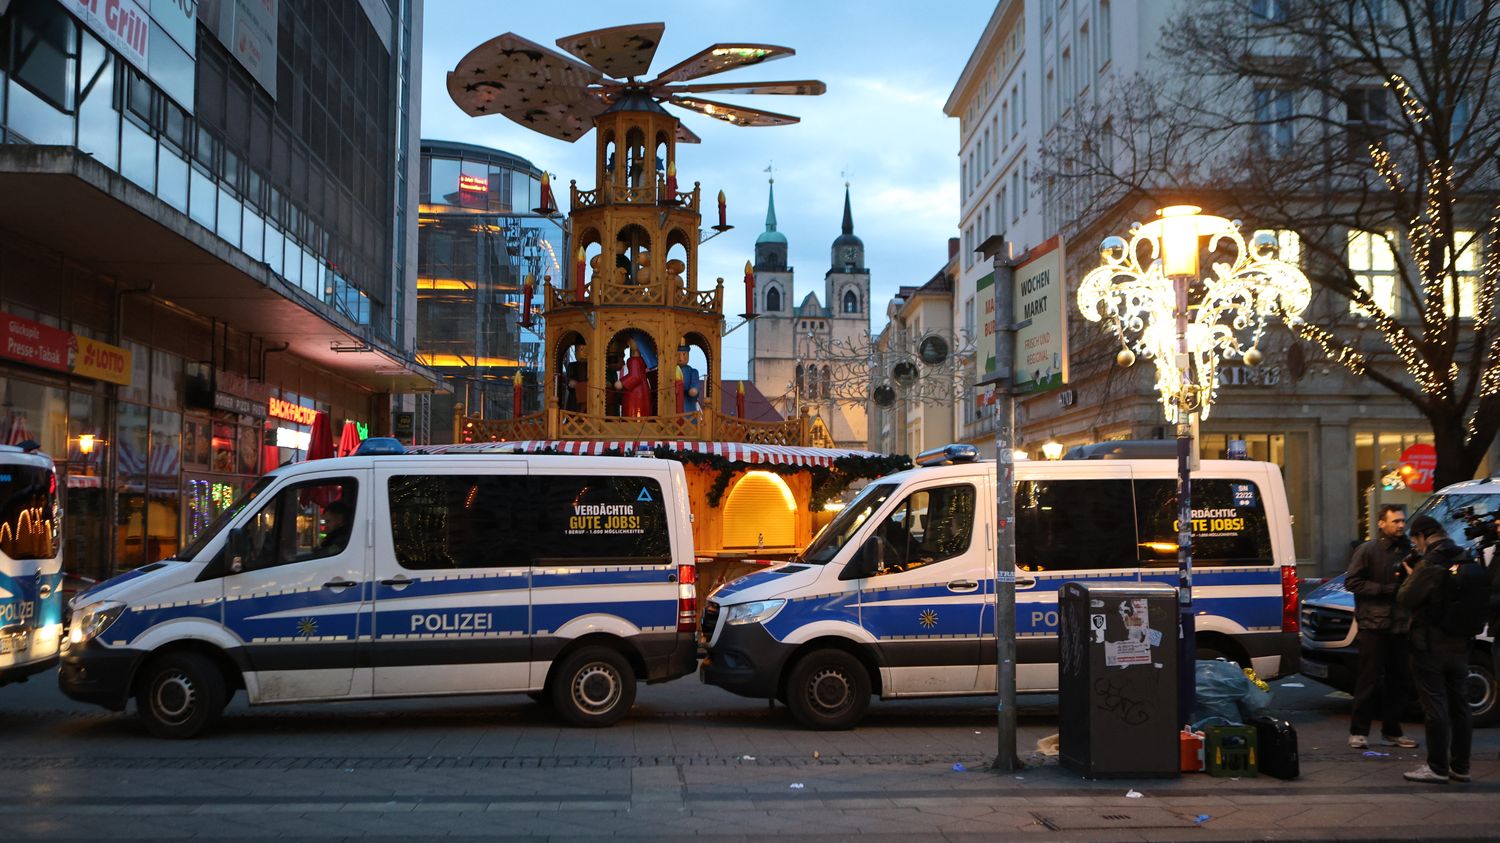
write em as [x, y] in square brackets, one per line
[867, 562]
[237, 549]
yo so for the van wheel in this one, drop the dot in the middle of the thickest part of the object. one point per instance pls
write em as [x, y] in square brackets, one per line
[828, 690]
[593, 687]
[180, 695]
[1481, 690]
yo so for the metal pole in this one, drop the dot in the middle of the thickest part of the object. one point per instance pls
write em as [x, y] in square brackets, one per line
[1005, 509]
[1187, 638]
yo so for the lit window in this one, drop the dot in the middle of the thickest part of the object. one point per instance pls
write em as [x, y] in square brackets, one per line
[1289, 245]
[1374, 267]
[1466, 267]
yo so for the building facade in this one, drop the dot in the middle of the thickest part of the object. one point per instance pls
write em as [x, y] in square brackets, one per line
[1339, 440]
[480, 250]
[921, 417]
[994, 103]
[791, 361]
[205, 241]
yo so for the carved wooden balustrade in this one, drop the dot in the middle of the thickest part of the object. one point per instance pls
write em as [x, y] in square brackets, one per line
[608, 194]
[608, 291]
[706, 425]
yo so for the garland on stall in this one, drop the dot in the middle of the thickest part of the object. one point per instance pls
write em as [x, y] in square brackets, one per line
[827, 483]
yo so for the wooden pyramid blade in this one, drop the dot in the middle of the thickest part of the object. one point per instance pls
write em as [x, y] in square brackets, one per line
[806, 87]
[624, 52]
[722, 57]
[686, 135]
[538, 88]
[738, 115]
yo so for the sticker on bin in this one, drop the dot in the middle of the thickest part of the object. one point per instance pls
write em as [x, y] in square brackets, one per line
[1096, 623]
[1126, 653]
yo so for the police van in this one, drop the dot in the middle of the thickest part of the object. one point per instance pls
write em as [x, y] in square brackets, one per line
[895, 597]
[387, 574]
[30, 563]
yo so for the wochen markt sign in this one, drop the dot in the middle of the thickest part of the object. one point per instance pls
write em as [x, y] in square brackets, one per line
[1041, 359]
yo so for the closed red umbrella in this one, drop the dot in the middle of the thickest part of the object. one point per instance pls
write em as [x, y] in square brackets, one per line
[349, 439]
[320, 443]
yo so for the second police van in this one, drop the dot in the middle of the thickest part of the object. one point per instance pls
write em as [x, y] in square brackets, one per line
[398, 575]
[895, 597]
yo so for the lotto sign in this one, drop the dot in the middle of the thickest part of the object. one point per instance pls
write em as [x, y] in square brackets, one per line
[1417, 466]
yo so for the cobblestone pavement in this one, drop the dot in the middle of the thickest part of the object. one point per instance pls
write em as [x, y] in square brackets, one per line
[690, 761]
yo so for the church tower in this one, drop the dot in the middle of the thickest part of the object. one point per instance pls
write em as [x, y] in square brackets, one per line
[846, 287]
[847, 282]
[772, 363]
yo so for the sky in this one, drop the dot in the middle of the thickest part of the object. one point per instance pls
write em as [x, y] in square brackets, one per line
[889, 67]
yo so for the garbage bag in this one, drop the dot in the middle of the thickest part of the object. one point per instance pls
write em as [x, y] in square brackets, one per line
[1226, 695]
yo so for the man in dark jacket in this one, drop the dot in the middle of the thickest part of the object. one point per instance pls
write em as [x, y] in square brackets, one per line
[1439, 660]
[1384, 684]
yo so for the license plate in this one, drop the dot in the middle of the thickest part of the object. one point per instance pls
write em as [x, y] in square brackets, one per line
[15, 643]
[1314, 669]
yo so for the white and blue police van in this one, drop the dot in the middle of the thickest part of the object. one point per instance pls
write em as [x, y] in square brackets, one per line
[31, 572]
[895, 597]
[393, 574]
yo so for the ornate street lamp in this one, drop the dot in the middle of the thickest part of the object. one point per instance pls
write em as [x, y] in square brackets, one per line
[1147, 290]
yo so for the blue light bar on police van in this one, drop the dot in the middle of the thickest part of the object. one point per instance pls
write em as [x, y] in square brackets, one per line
[947, 455]
[380, 446]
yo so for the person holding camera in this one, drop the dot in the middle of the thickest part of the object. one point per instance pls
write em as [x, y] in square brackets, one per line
[1447, 594]
[1383, 686]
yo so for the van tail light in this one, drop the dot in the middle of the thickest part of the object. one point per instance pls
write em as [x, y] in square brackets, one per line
[1289, 599]
[687, 597]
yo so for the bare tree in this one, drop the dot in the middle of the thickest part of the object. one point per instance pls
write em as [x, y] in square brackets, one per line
[1346, 121]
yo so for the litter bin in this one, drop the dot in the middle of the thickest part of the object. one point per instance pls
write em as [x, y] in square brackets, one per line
[1117, 679]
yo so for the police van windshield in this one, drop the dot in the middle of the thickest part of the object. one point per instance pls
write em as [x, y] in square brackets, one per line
[28, 495]
[832, 539]
[217, 525]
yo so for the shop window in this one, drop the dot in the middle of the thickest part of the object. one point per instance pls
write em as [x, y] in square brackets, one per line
[310, 520]
[1069, 525]
[760, 512]
[930, 526]
[1229, 523]
[1378, 460]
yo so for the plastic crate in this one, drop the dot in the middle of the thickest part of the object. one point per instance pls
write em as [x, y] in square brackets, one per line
[1229, 751]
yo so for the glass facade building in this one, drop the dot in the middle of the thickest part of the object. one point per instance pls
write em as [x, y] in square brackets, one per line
[214, 202]
[478, 243]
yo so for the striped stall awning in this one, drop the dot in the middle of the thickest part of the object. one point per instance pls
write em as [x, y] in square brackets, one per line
[732, 451]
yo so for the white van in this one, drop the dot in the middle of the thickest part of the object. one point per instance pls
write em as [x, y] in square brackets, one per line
[30, 564]
[399, 575]
[895, 596]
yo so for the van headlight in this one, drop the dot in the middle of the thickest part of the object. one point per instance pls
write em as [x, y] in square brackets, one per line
[93, 619]
[758, 612]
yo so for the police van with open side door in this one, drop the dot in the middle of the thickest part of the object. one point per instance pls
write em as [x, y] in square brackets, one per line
[895, 597]
[388, 574]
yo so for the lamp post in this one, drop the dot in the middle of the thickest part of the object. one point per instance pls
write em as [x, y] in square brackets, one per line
[1148, 291]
